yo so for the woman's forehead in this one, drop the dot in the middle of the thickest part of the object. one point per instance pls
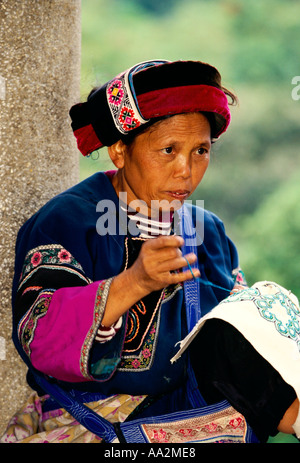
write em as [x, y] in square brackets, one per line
[181, 125]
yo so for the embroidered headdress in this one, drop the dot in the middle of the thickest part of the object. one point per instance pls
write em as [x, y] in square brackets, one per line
[143, 94]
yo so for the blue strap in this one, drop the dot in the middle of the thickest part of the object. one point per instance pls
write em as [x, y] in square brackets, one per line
[84, 415]
[191, 287]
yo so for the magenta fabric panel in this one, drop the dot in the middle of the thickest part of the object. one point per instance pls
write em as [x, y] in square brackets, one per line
[64, 335]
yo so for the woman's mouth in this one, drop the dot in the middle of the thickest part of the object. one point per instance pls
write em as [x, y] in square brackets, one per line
[181, 195]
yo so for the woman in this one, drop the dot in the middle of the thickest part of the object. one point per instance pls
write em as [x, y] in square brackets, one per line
[100, 309]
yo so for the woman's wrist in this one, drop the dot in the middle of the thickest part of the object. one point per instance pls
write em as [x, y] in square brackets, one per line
[124, 291]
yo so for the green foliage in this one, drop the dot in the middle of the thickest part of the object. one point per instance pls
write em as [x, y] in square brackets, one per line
[270, 243]
[267, 32]
[118, 33]
[154, 7]
[258, 154]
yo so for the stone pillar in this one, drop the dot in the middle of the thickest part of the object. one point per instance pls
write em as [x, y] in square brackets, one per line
[39, 81]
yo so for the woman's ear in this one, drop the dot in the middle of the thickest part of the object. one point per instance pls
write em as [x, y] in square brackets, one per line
[117, 153]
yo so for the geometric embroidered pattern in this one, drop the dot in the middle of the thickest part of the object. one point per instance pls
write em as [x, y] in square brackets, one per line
[122, 106]
[275, 307]
[226, 426]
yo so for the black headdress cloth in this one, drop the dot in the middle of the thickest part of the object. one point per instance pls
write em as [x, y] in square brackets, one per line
[144, 93]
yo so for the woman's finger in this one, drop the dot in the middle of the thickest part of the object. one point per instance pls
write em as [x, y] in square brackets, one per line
[176, 263]
[173, 241]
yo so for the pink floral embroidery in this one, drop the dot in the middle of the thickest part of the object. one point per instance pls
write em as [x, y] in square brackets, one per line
[115, 93]
[36, 259]
[153, 330]
[135, 363]
[160, 435]
[146, 353]
[64, 256]
[50, 254]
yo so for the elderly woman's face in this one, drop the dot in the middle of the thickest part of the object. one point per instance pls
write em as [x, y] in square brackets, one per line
[166, 162]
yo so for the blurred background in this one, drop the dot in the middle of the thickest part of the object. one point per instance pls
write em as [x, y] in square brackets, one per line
[253, 179]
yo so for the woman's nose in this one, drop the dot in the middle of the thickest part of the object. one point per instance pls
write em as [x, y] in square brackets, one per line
[182, 166]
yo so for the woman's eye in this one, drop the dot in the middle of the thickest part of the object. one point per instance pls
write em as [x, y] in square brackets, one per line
[202, 151]
[168, 150]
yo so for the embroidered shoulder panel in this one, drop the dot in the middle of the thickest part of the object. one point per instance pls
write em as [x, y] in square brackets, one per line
[51, 254]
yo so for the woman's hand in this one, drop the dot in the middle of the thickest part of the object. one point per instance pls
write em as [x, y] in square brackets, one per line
[159, 264]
